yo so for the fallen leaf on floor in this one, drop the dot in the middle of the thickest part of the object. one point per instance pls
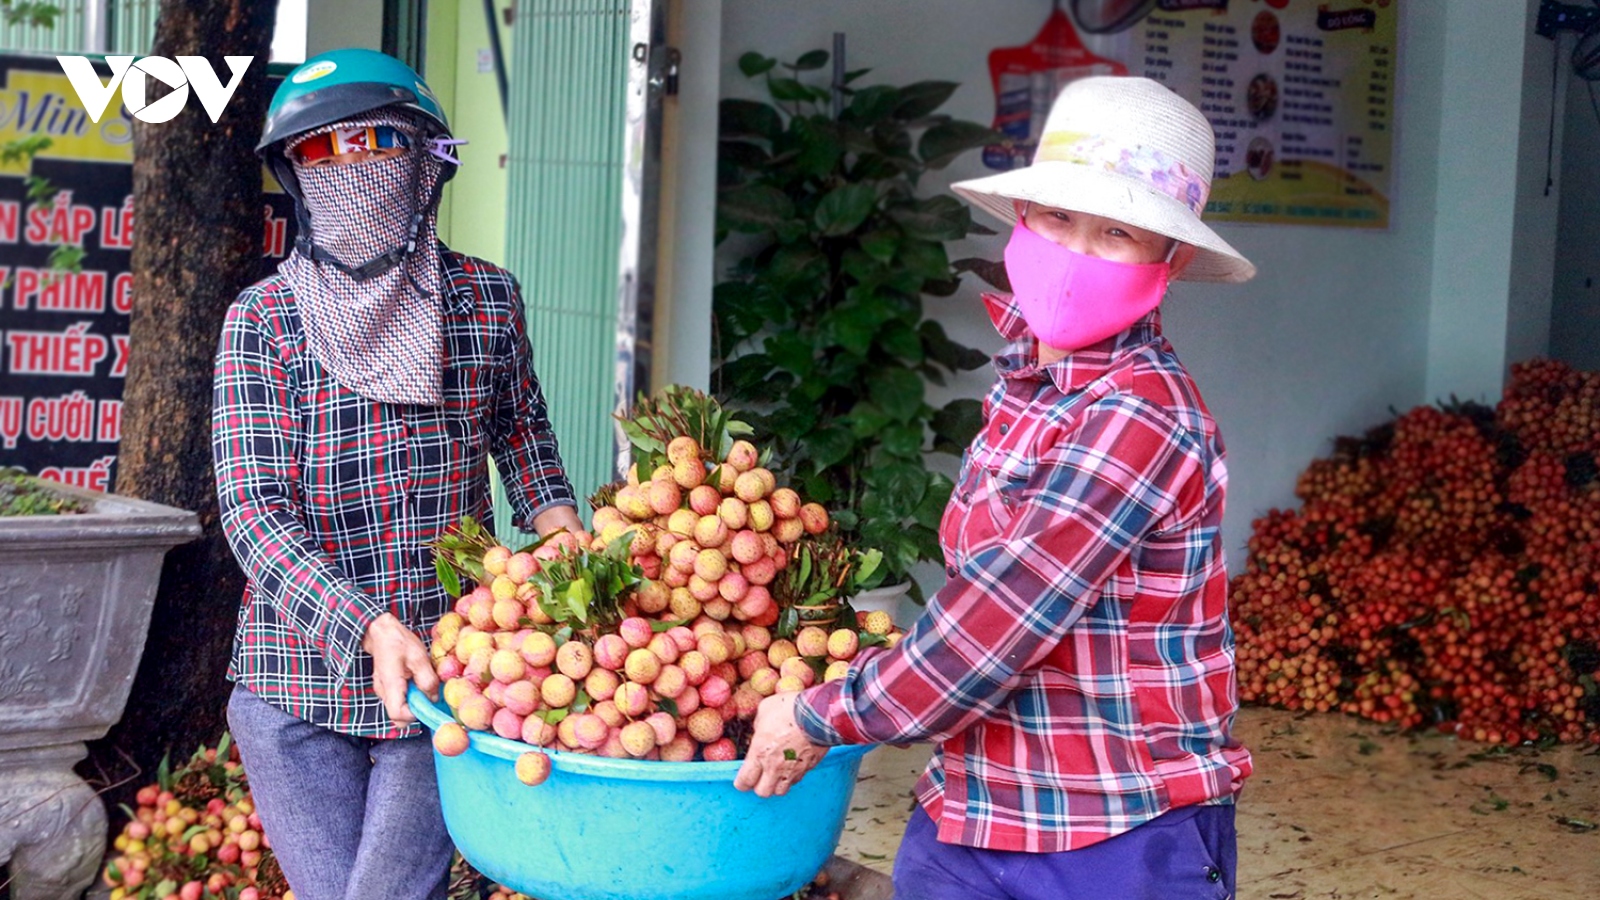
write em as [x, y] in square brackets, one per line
[1576, 824]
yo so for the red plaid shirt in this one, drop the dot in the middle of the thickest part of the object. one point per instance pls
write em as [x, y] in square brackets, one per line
[1077, 669]
[330, 499]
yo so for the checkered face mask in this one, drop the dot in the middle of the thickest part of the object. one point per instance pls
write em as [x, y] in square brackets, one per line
[378, 331]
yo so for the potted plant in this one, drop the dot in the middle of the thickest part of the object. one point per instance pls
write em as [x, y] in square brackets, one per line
[78, 578]
[820, 324]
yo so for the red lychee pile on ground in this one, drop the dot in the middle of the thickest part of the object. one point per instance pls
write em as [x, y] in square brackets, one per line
[193, 835]
[1443, 570]
[660, 639]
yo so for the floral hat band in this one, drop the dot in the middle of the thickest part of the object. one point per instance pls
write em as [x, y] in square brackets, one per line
[1130, 150]
[1162, 172]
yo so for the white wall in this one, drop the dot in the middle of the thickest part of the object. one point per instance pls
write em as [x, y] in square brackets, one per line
[1575, 335]
[1332, 333]
[347, 23]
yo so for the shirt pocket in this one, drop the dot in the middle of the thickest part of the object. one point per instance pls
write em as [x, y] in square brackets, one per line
[1004, 488]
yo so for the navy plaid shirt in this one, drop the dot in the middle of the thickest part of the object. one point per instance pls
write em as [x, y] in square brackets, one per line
[329, 499]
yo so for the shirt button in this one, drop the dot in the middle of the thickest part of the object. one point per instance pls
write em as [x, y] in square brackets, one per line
[966, 496]
[1212, 875]
[1004, 428]
[950, 571]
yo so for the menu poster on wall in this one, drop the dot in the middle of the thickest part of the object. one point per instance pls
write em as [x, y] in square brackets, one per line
[1299, 92]
[63, 332]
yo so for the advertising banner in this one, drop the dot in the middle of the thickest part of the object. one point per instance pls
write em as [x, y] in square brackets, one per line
[66, 289]
[1300, 93]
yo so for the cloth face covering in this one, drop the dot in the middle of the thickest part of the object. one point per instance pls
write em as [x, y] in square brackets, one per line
[1071, 300]
[380, 336]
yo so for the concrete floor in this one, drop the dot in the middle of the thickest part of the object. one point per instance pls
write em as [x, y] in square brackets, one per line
[1338, 808]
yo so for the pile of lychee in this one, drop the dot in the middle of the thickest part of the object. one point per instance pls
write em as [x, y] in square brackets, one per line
[693, 650]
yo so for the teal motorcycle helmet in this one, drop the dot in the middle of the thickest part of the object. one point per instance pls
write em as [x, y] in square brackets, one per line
[333, 87]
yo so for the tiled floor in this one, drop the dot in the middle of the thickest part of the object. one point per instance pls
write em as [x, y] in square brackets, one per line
[1337, 808]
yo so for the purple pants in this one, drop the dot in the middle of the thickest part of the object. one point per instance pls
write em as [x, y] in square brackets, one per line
[1187, 854]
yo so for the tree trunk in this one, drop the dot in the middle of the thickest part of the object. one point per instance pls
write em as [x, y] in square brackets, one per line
[198, 242]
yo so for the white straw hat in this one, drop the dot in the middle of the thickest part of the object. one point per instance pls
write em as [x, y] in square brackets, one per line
[1128, 149]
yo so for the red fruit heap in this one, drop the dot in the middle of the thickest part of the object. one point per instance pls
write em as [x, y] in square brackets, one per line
[1444, 569]
[195, 834]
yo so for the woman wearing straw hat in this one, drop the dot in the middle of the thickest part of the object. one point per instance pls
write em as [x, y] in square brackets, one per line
[1077, 669]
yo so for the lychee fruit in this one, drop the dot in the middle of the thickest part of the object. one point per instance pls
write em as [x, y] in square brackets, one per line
[743, 456]
[756, 637]
[683, 449]
[717, 608]
[720, 750]
[642, 666]
[836, 669]
[780, 650]
[715, 691]
[710, 531]
[787, 531]
[878, 622]
[688, 701]
[671, 682]
[558, 691]
[521, 697]
[681, 748]
[653, 597]
[507, 666]
[745, 701]
[533, 768]
[574, 660]
[755, 602]
[764, 681]
[710, 563]
[761, 572]
[632, 503]
[683, 554]
[798, 668]
[785, 503]
[843, 644]
[790, 684]
[495, 558]
[664, 727]
[714, 646]
[682, 522]
[638, 738]
[632, 698]
[733, 587]
[684, 605]
[451, 739]
[476, 712]
[811, 641]
[705, 725]
[590, 730]
[664, 647]
[635, 631]
[521, 566]
[507, 724]
[507, 614]
[664, 497]
[696, 668]
[749, 487]
[610, 651]
[723, 476]
[457, 688]
[814, 517]
[609, 713]
[683, 637]
[704, 500]
[538, 732]
[689, 474]
[601, 684]
[702, 590]
[734, 513]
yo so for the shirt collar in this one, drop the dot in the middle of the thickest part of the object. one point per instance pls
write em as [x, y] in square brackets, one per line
[1020, 358]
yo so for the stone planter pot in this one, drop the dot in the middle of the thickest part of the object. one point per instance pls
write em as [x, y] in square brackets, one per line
[75, 598]
[886, 598]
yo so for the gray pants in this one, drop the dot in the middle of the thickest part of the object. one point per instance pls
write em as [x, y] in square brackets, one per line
[349, 818]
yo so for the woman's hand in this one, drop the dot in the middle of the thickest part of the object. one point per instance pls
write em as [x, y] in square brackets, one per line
[398, 658]
[780, 753]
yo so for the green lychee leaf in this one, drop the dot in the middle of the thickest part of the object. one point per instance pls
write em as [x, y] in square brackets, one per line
[658, 627]
[112, 871]
[165, 887]
[868, 639]
[668, 706]
[447, 577]
[553, 716]
[788, 622]
[580, 701]
[164, 772]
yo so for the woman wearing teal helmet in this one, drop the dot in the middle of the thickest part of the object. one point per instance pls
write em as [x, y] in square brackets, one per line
[359, 393]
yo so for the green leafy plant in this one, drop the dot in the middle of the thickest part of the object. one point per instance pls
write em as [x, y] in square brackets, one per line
[820, 325]
[677, 410]
[40, 190]
[21, 495]
[28, 12]
[823, 573]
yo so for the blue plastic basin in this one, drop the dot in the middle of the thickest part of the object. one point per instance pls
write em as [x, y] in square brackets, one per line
[615, 829]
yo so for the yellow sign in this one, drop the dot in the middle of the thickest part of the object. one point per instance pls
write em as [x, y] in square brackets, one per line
[42, 104]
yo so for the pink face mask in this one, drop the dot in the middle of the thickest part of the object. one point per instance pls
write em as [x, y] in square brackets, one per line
[1071, 300]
